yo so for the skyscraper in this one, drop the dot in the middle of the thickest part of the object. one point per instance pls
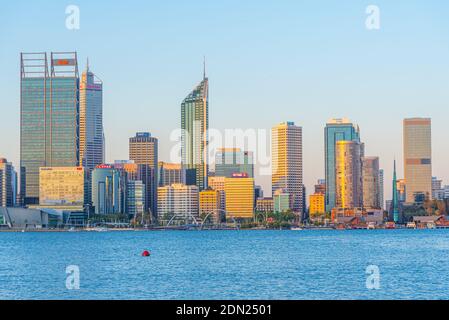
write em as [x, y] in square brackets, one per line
[287, 170]
[91, 120]
[107, 192]
[7, 184]
[170, 173]
[143, 150]
[336, 130]
[381, 189]
[233, 160]
[194, 139]
[418, 158]
[239, 191]
[49, 117]
[371, 184]
[348, 174]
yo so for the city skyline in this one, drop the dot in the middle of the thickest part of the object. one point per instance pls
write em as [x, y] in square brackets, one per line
[374, 81]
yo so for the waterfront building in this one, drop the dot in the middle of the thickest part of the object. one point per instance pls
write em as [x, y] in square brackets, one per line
[437, 189]
[265, 205]
[371, 184]
[218, 183]
[62, 188]
[91, 120]
[317, 204]
[49, 117]
[178, 202]
[239, 190]
[107, 192]
[194, 139]
[348, 166]
[418, 158]
[233, 160]
[143, 150]
[8, 184]
[170, 173]
[282, 201]
[336, 130]
[287, 163]
[135, 198]
[210, 204]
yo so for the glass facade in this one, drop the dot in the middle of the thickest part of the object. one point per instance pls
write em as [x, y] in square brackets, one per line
[234, 160]
[49, 105]
[336, 130]
[194, 125]
[106, 190]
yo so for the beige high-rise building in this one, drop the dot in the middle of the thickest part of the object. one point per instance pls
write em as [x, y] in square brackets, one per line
[371, 185]
[286, 155]
[417, 158]
[218, 183]
[348, 167]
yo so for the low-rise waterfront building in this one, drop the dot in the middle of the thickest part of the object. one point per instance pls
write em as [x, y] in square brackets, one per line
[178, 202]
[265, 205]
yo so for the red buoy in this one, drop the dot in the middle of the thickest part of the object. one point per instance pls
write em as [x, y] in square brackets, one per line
[146, 253]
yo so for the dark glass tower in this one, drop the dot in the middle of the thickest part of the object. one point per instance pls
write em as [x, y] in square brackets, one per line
[49, 117]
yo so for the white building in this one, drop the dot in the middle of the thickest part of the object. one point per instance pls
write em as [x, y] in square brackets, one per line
[178, 201]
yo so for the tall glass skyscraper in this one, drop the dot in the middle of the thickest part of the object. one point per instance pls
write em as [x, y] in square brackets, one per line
[194, 125]
[91, 120]
[49, 117]
[336, 130]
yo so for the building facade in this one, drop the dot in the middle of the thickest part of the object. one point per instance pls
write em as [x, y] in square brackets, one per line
[348, 174]
[135, 198]
[194, 137]
[317, 204]
[265, 205]
[49, 117]
[418, 158]
[179, 203]
[62, 188]
[371, 183]
[210, 204]
[239, 192]
[143, 150]
[171, 173]
[218, 183]
[107, 191]
[8, 184]
[287, 163]
[233, 160]
[336, 130]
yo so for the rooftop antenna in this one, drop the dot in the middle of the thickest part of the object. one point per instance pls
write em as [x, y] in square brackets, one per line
[204, 68]
[87, 65]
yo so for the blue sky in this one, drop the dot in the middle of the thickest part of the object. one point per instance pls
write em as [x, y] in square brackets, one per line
[268, 61]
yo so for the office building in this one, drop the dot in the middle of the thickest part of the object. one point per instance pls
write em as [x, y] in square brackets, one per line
[282, 201]
[348, 167]
[194, 125]
[143, 150]
[62, 188]
[49, 117]
[239, 192]
[287, 165]
[381, 189]
[171, 173]
[336, 130]
[218, 183]
[233, 160]
[371, 184]
[178, 202]
[91, 120]
[107, 190]
[265, 205]
[135, 198]
[317, 204]
[418, 158]
[210, 204]
[8, 184]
